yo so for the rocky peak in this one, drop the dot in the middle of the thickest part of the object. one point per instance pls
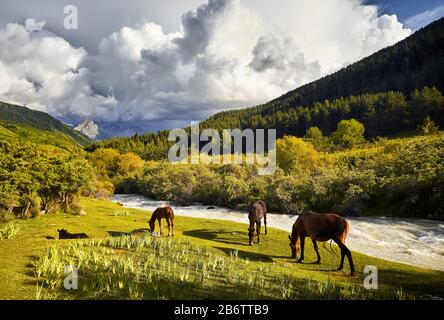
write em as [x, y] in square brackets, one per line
[88, 128]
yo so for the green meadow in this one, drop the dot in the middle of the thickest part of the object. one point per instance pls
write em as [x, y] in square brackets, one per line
[207, 259]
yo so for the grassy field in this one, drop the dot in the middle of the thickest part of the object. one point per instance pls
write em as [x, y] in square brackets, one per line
[207, 259]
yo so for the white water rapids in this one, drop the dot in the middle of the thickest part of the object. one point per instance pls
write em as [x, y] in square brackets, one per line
[412, 241]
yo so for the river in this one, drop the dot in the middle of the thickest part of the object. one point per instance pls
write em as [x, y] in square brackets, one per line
[412, 241]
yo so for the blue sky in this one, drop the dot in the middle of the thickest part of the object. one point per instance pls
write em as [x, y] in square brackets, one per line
[406, 10]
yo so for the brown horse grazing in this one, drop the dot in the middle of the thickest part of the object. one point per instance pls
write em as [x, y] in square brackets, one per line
[163, 213]
[257, 212]
[320, 227]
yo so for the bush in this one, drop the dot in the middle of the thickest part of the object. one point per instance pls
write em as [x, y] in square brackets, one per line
[295, 154]
[349, 133]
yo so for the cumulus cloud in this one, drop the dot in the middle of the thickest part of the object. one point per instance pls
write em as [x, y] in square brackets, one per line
[225, 55]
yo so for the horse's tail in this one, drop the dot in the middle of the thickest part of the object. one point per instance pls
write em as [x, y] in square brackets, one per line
[345, 230]
[331, 250]
[341, 233]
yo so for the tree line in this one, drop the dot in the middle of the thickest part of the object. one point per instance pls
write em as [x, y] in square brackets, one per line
[382, 114]
[38, 179]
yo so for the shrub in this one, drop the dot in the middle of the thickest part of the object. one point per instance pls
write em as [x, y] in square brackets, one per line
[295, 154]
[349, 133]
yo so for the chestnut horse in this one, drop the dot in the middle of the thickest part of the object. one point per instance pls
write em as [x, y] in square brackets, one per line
[320, 227]
[163, 213]
[257, 212]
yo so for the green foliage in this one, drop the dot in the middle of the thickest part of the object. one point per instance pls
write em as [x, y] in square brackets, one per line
[401, 177]
[295, 154]
[350, 133]
[33, 179]
[9, 231]
[382, 114]
[428, 127]
[115, 171]
[315, 136]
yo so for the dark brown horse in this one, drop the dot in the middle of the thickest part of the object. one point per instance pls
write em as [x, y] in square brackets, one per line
[163, 213]
[64, 234]
[257, 212]
[320, 227]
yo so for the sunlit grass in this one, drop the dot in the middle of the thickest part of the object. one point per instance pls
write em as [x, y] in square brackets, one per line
[9, 231]
[207, 259]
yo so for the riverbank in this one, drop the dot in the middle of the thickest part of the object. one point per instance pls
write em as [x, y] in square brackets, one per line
[221, 238]
[416, 242]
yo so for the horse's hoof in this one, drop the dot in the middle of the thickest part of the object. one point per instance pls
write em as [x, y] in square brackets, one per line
[352, 274]
[299, 261]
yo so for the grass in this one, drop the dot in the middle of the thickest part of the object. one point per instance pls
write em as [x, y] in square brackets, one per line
[207, 259]
[9, 231]
[14, 131]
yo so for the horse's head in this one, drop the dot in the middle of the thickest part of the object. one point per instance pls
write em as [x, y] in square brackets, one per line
[251, 233]
[62, 233]
[294, 246]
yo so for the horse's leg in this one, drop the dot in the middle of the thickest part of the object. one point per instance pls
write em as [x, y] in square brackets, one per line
[172, 227]
[341, 264]
[302, 249]
[160, 226]
[250, 232]
[345, 252]
[169, 226]
[258, 224]
[265, 223]
[315, 245]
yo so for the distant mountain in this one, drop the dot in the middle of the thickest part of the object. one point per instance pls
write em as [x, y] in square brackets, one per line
[88, 128]
[17, 121]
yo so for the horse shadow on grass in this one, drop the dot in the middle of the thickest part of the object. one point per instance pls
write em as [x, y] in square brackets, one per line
[131, 233]
[251, 256]
[222, 236]
[29, 271]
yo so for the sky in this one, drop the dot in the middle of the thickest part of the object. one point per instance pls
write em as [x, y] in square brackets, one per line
[161, 64]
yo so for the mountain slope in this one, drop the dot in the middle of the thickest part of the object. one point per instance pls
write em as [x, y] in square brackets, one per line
[387, 92]
[37, 126]
[413, 63]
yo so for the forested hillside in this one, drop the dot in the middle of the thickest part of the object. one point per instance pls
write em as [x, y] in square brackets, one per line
[413, 63]
[390, 92]
[27, 123]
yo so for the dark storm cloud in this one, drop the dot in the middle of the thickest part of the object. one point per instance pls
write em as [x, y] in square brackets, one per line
[138, 61]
